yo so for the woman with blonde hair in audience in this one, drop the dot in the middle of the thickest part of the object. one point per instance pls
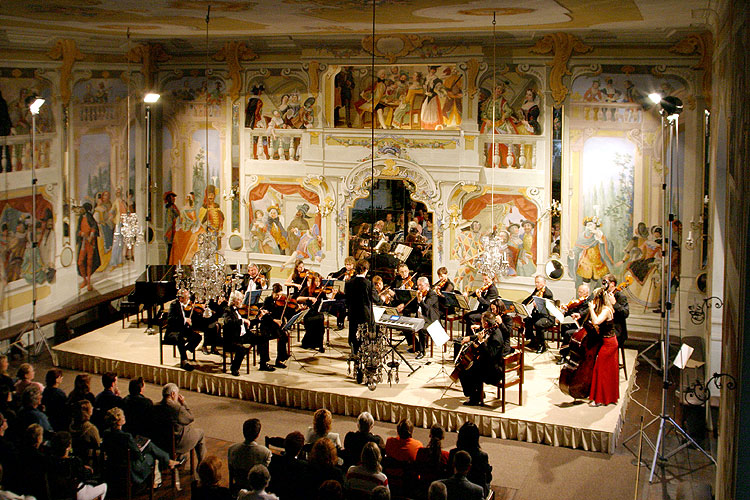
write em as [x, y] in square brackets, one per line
[85, 435]
[25, 375]
[362, 479]
[207, 487]
[323, 462]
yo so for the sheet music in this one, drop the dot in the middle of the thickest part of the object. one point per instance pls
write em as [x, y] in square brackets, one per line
[554, 311]
[540, 305]
[522, 309]
[683, 356]
[402, 252]
[437, 333]
[377, 311]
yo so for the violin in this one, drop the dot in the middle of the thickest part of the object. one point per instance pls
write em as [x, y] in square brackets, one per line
[193, 307]
[286, 302]
[439, 285]
[408, 282]
[248, 311]
[349, 274]
[573, 304]
[479, 290]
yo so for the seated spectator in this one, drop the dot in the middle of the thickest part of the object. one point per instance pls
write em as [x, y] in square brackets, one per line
[5, 379]
[243, 456]
[172, 413]
[437, 491]
[381, 493]
[25, 376]
[287, 468]
[330, 490]
[137, 408]
[356, 440]
[117, 442]
[107, 399]
[323, 462]
[31, 463]
[468, 441]
[322, 421]
[257, 479]
[432, 461]
[85, 435]
[404, 447]
[81, 390]
[207, 487]
[8, 455]
[54, 400]
[30, 412]
[6, 494]
[362, 479]
[458, 485]
[66, 474]
[7, 407]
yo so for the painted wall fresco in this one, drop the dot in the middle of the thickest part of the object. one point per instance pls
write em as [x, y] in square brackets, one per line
[285, 220]
[193, 138]
[514, 217]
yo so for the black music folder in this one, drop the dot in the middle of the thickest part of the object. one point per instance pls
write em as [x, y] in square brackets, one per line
[294, 319]
[403, 295]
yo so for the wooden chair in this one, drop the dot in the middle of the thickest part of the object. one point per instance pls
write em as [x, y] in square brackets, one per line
[129, 307]
[622, 365]
[512, 364]
[275, 444]
[162, 321]
[401, 477]
[554, 334]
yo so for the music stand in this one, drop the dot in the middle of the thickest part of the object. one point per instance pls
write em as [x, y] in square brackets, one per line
[439, 338]
[254, 297]
[294, 320]
[393, 345]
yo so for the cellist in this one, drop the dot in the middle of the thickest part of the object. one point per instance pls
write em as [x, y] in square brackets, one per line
[579, 311]
[487, 366]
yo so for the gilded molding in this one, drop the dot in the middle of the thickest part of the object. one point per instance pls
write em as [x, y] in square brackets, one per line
[701, 44]
[313, 71]
[409, 43]
[472, 70]
[69, 53]
[233, 53]
[562, 46]
[148, 55]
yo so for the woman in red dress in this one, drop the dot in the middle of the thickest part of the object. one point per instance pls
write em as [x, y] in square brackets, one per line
[605, 383]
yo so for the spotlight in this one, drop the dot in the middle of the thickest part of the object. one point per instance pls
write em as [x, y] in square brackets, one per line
[34, 103]
[655, 97]
[671, 105]
[151, 98]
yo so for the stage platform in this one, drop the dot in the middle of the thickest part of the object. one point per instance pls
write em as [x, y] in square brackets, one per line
[314, 380]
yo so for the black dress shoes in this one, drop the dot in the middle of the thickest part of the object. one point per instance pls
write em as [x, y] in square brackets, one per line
[542, 348]
[235, 373]
[187, 367]
[265, 367]
[472, 402]
[419, 355]
[279, 364]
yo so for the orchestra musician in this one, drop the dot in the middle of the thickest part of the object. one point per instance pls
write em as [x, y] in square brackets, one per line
[271, 321]
[358, 293]
[579, 311]
[485, 294]
[621, 308]
[487, 366]
[380, 295]
[443, 283]
[346, 272]
[180, 328]
[339, 307]
[427, 301]
[208, 322]
[297, 278]
[404, 281]
[255, 281]
[237, 332]
[537, 322]
[605, 388]
[311, 296]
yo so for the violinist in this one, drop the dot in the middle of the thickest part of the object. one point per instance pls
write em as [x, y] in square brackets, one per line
[404, 281]
[485, 294]
[255, 281]
[537, 322]
[427, 302]
[487, 363]
[180, 328]
[380, 295]
[621, 307]
[346, 272]
[297, 278]
[208, 322]
[443, 283]
[358, 293]
[339, 307]
[578, 310]
[311, 296]
[237, 332]
[271, 322]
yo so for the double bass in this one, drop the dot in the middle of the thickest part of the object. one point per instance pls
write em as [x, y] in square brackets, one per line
[576, 374]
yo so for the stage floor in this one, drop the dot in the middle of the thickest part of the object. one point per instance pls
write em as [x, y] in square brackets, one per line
[315, 380]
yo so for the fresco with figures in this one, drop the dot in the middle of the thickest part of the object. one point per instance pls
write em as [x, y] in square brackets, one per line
[514, 217]
[194, 123]
[285, 220]
[616, 149]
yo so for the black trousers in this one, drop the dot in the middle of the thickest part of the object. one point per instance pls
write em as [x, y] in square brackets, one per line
[314, 329]
[419, 342]
[188, 340]
[535, 326]
[269, 330]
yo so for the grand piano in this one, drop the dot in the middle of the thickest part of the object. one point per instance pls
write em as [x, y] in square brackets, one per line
[153, 288]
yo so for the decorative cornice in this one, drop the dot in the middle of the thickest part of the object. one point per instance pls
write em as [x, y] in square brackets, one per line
[562, 46]
[148, 55]
[398, 45]
[233, 53]
[69, 53]
[701, 44]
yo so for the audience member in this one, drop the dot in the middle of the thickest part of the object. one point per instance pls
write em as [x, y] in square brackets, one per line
[31, 463]
[243, 456]
[458, 486]
[107, 399]
[381, 493]
[330, 490]
[257, 479]
[172, 410]
[369, 475]
[137, 408]
[6, 379]
[85, 435]
[54, 400]
[322, 421]
[437, 491]
[25, 376]
[117, 442]
[6, 494]
[81, 390]
[354, 441]
[432, 461]
[323, 462]
[8, 455]
[66, 474]
[468, 441]
[30, 412]
[7, 406]
[404, 447]
[287, 468]
[209, 475]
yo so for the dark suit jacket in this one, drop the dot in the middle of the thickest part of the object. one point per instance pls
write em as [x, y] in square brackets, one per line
[232, 326]
[429, 308]
[622, 311]
[460, 487]
[358, 292]
[480, 472]
[175, 321]
[137, 414]
[486, 297]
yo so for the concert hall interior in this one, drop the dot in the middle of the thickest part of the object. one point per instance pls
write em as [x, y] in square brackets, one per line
[397, 206]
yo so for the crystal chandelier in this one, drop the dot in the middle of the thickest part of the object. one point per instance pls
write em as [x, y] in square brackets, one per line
[129, 230]
[493, 260]
[207, 280]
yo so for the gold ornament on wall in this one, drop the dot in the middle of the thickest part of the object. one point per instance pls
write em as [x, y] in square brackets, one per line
[392, 47]
[562, 46]
[233, 53]
[69, 53]
[148, 55]
[701, 44]
[472, 70]
[313, 71]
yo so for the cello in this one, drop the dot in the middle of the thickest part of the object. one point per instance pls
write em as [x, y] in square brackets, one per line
[576, 374]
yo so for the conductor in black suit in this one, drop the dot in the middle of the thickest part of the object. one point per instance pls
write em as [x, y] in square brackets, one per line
[180, 328]
[486, 294]
[428, 303]
[537, 322]
[621, 307]
[358, 293]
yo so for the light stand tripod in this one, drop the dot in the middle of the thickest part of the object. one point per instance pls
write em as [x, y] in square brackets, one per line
[671, 107]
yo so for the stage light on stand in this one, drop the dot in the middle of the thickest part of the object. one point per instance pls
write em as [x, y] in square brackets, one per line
[655, 97]
[151, 98]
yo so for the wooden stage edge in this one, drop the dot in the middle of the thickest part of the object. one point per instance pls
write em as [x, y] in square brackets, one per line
[313, 380]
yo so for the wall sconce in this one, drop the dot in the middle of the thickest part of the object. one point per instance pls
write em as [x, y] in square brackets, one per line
[697, 225]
